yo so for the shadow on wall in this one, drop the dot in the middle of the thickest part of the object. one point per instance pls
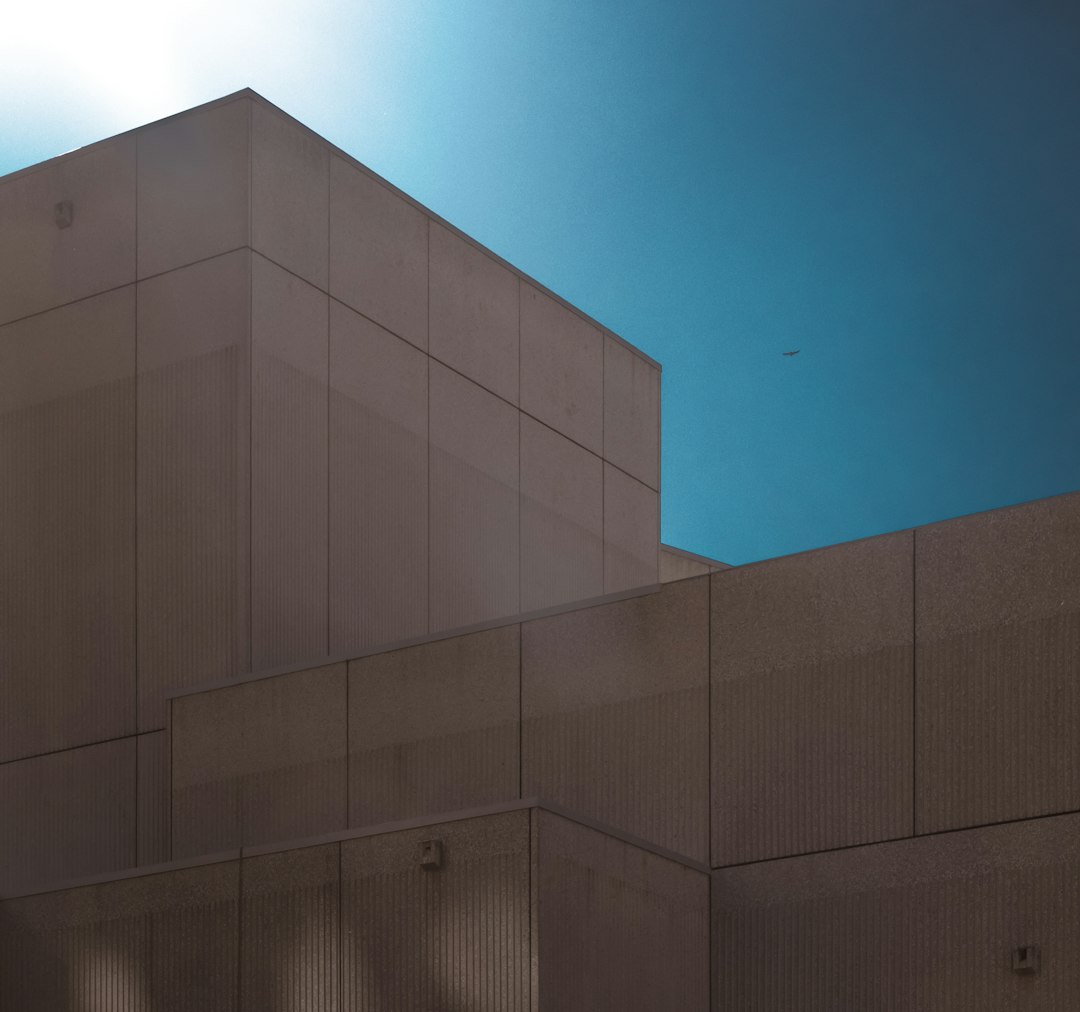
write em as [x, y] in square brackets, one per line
[33, 978]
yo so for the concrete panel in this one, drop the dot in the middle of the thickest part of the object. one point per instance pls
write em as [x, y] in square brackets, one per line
[194, 192]
[67, 815]
[456, 937]
[812, 701]
[927, 923]
[378, 253]
[631, 532]
[193, 478]
[290, 195]
[562, 519]
[562, 369]
[42, 265]
[474, 313]
[615, 707]
[289, 390]
[474, 503]
[67, 519]
[154, 799]
[434, 728]
[259, 762]
[378, 485]
[676, 564]
[289, 951]
[998, 680]
[631, 413]
[620, 929]
[167, 942]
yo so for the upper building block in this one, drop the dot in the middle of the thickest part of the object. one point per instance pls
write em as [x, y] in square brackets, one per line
[263, 409]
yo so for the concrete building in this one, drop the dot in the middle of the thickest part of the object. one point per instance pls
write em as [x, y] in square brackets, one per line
[341, 667]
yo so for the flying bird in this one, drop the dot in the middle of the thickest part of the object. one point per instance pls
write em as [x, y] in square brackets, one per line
[788, 354]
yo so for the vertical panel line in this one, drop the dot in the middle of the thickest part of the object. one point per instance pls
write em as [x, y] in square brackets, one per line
[914, 692]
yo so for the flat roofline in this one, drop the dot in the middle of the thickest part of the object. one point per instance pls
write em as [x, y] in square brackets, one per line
[249, 93]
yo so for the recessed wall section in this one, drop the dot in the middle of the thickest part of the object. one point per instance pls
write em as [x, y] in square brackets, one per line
[67, 526]
[998, 597]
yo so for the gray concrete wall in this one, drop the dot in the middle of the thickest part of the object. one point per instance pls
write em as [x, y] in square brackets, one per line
[919, 924]
[526, 911]
[258, 408]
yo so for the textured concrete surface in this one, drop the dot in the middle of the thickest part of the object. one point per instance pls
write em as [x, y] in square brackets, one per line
[631, 413]
[474, 313]
[378, 485]
[42, 266]
[615, 708]
[631, 532]
[474, 503]
[378, 253]
[455, 937]
[67, 526]
[618, 929]
[677, 564]
[290, 941]
[290, 195]
[193, 186]
[289, 467]
[562, 369]
[163, 941]
[193, 478]
[998, 673]
[812, 701]
[562, 519]
[434, 728]
[927, 923]
[259, 762]
[67, 815]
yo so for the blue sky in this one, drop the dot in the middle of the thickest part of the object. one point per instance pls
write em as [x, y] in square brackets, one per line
[890, 187]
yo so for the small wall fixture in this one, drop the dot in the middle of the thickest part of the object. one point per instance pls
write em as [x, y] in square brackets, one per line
[431, 854]
[1025, 959]
[65, 213]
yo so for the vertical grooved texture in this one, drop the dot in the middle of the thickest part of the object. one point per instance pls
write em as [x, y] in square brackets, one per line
[927, 923]
[812, 701]
[154, 831]
[193, 484]
[615, 714]
[999, 665]
[67, 510]
[620, 930]
[456, 938]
